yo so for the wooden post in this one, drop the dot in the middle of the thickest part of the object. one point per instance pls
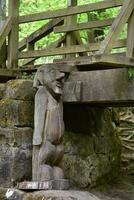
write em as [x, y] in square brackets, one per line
[91, 35]
[14, 34]
[30, 47]
[70, 40]
[2, 19]
[130, 37]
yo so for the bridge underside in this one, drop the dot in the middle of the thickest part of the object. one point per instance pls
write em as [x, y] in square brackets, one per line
[106, 87]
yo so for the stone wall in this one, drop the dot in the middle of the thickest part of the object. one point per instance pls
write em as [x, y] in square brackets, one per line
[16, 127]
[126, 127]
[92, 146]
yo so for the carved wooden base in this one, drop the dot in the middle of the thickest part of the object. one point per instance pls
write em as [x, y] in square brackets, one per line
[61, 184]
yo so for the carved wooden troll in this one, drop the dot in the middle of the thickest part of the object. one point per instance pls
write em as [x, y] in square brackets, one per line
[48, 125]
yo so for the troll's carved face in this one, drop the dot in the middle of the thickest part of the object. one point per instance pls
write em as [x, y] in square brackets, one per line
[50, 77]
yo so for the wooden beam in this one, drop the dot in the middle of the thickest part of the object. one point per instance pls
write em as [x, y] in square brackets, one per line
[9, 73]
[40, 33]
[3, 56]
[14, 34]
[64, 50]
[100, 61]
[70, 20]
[70, 11]
[83, 26]
[5, 30]
[130, 37]
[126, 10]
[108, 87]
[62, 67]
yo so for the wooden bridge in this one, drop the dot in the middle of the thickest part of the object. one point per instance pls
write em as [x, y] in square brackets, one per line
[98, 68]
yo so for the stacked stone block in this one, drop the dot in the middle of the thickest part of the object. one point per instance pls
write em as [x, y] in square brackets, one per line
[16, 129]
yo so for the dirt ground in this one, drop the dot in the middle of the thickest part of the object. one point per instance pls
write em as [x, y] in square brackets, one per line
[123, 189]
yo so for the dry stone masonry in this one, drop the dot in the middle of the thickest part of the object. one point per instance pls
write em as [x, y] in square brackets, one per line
[16, 129]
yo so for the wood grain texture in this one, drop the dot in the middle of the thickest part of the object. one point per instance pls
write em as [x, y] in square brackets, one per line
[70, 11]
[121, 19]
[107, 87]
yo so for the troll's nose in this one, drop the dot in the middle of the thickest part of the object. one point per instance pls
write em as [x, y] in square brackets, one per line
[59, 75]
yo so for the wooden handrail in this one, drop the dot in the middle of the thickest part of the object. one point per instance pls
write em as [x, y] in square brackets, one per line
[83, 26]
[53, 45]
[66, 50]
[70, 11]
[40, 33]
[122, 18]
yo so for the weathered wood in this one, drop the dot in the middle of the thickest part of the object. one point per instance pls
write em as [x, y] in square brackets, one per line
[5, 30]
[108, 87]
[48, 133]
[14, 34]
[116, 27]
[87, 63]
[70, 40]
[30, 47]
[9, 73]
[130, 37]
[3, 56]
[64, 50]
[102, 61]
[40, 33]
[82, 26]
[53, 45]
[61, 67]
[70, 11]
[44, 185]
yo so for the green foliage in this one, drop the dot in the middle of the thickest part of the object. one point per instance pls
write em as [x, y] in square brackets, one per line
[28, 76]
[131, 72]
[35, 6]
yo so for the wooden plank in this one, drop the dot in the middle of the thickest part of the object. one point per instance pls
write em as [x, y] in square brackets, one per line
[5, 30]
[40, 33]
[64, 50]
[70, 11]
[102, 61]
[30, 47]
[108, 87]
[9, 73]
[14, 34]
[116, 27]
[70, 20]
[130, 37]
[3, 56]
[53, 45]
[82, 26]
[113, 60]
[62, 67]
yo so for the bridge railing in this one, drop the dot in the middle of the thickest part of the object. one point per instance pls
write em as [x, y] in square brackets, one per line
[65, 21]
